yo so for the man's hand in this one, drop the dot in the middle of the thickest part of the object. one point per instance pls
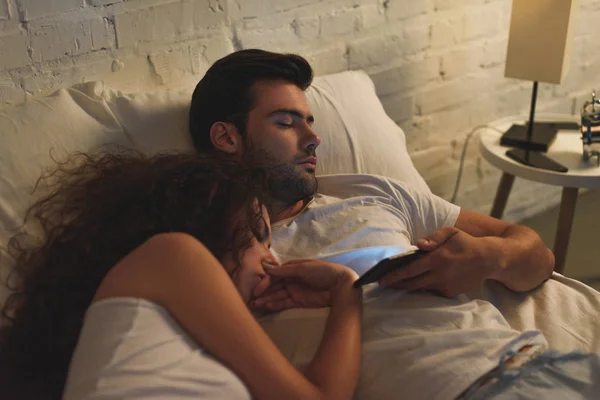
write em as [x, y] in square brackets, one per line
[301, 284]
[455, 264]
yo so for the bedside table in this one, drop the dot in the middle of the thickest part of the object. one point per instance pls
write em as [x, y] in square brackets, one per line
[567, 150]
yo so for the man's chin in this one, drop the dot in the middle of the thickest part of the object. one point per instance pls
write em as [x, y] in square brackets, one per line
[306, 170]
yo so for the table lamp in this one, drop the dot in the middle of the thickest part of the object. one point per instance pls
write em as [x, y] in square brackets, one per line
[539, 44]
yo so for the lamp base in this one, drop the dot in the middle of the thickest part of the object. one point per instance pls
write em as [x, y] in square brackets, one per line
[535, 159]
[542, 137]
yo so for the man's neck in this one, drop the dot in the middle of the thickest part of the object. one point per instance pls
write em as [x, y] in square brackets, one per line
[281, 211]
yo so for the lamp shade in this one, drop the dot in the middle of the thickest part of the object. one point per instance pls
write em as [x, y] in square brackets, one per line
[539, 40]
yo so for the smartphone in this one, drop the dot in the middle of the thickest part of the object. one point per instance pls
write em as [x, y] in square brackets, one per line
[387, 265]
[535, 159]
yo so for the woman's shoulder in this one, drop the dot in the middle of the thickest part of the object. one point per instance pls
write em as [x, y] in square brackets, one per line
[132, 345]
[145, 271]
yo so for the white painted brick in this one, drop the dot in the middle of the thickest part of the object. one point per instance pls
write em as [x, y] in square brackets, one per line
[381, 49]
[401, 9]
[374, 50]
[254, 24]
[209, 13]
[440, 179]
[340, 23]
[321, 8]
[446, 183]
[166, 22]
[437, 128]
[428, 159]
[370, 16]
[33, 9]
[481, 24]
[307, 28]
[217, 47]
[4, 14]
[483, 109]
[267, 37]
[514, 101]
[257, 8]
[406, 76]
[446, 95]
[559, 106]
[101, 35]
[328, 60]
[472, 178]
[168, 66]
[92, 66]
[494, 53]
[162, 22]
[399, 107]
[104, 2]
[479, 197]
[41, 82]
[13, 51]
[448, 32]
[460, 62]
[416, 39]
[49, 42]
[452, 123]
[10, 93]
[441, 5]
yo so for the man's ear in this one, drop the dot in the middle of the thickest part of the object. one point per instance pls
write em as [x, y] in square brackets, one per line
[225, 137]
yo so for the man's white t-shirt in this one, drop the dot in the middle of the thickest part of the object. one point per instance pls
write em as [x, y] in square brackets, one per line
[416, 345]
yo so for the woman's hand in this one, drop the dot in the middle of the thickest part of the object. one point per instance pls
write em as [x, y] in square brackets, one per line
[303, 284]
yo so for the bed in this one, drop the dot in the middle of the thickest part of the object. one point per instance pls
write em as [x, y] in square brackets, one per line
[357, 136]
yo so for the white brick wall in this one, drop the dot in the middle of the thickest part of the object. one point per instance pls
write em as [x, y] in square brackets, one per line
[438, 65]
[4, 9]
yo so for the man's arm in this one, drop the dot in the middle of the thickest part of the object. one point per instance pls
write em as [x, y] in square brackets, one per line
[476, 248]
[522, 260]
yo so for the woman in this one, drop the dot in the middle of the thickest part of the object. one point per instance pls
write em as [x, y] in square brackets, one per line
[145, 272]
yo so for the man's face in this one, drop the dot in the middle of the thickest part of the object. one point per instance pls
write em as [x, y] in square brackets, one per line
[279, 135]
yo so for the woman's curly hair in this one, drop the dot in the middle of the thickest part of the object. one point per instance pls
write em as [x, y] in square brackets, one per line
[100, 208]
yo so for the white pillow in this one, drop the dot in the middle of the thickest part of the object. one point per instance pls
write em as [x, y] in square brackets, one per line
[69, 120]
[32, 134]
[154, 121]
[357, 135]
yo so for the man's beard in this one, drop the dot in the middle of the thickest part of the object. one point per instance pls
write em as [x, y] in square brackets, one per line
[287, 184]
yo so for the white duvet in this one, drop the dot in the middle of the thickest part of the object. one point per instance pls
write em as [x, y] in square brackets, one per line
[566, 311]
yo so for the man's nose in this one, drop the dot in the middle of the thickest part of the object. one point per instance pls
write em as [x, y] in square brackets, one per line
[312, 140]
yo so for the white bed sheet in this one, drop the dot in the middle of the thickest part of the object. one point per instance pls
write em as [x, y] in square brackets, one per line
[565, 310]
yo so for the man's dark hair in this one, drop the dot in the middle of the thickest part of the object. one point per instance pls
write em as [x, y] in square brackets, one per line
[225, 93]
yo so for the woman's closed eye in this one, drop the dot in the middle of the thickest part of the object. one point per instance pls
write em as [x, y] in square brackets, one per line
[264, 234]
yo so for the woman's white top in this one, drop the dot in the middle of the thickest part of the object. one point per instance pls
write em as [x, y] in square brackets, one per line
[133, 349]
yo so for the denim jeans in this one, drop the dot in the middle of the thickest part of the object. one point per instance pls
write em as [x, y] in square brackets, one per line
[549, 375]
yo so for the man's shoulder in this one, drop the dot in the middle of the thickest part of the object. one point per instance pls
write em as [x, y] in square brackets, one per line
[350, 185]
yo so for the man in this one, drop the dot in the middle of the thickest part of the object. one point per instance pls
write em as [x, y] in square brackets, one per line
[251, 105]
